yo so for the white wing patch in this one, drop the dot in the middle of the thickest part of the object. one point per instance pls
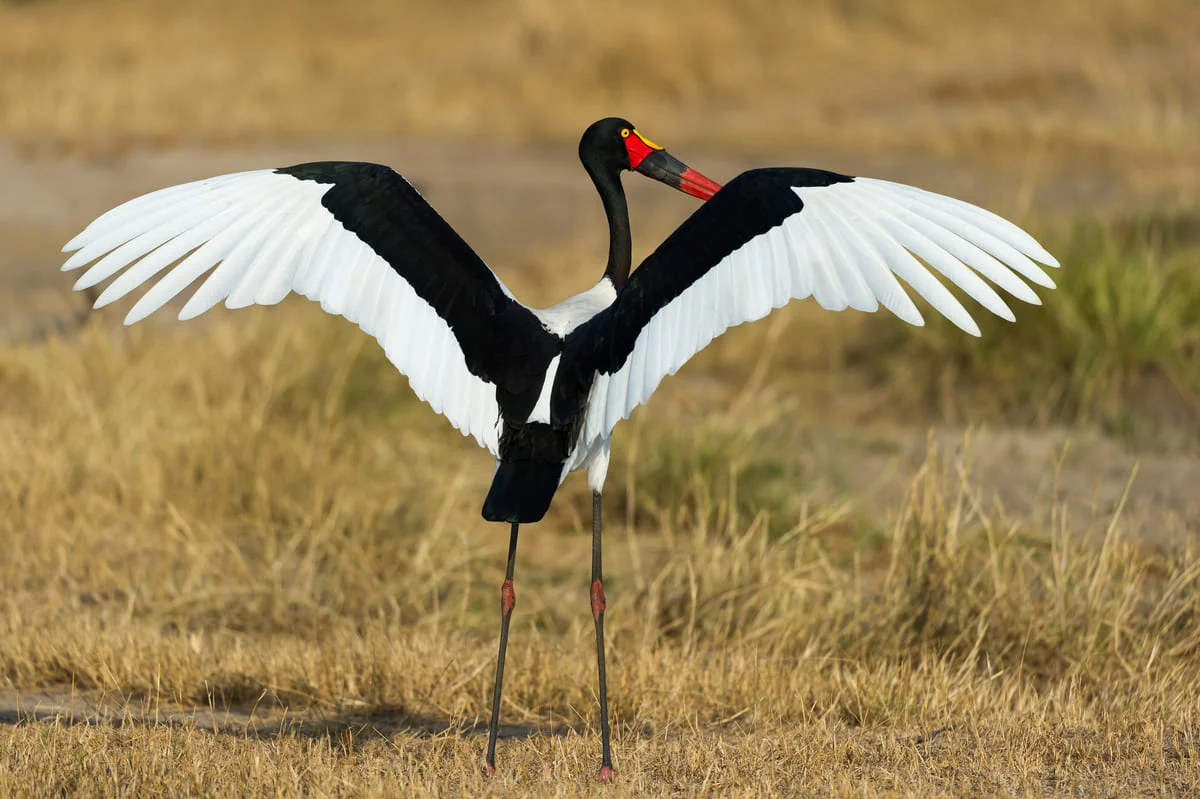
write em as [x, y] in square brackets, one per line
[846, 249]
[541, 409]
[267, 234]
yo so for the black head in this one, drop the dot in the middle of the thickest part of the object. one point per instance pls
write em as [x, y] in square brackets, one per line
[602, 146]
[613, 145]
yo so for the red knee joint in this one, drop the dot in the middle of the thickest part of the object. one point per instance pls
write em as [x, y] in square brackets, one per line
[508, 597]
[599, 603]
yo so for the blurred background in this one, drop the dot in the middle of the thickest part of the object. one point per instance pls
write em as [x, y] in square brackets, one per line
[1064, 103]
[1105, 86]
[1080, 120]
[252, 508]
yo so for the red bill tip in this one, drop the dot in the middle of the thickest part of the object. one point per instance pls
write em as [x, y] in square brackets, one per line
[697, 185]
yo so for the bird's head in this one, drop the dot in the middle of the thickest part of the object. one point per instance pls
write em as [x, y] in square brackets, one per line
[614, 144]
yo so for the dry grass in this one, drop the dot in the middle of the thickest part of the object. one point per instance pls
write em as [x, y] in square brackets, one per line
[240, 559]
[254, 515]
[1034, 85]
[257, 562]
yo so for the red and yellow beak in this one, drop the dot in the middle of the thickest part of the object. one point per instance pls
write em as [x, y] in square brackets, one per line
[653, 161]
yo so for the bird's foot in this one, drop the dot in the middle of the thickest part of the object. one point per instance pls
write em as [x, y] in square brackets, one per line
[489, 769]
[606, 775]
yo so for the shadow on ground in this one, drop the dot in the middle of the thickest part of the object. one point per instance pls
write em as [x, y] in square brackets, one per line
[265, 720]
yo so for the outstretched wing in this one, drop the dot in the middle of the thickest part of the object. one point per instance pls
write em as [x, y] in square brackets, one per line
[773, 235]
[355, 237]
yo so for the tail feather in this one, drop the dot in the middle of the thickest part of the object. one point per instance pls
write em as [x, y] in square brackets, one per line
[521, 491]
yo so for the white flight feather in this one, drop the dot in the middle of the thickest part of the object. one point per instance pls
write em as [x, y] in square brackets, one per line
[267, 234]
[846, 248]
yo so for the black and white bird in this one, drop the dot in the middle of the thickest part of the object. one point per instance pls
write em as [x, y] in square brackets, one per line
[542, 390]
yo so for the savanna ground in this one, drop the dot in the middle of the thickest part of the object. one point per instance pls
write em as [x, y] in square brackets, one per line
[844, 556]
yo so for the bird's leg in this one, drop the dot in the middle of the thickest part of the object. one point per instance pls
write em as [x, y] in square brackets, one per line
[599, 603]
[508, 599]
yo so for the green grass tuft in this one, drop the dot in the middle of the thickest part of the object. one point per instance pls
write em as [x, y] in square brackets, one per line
[1117, 344]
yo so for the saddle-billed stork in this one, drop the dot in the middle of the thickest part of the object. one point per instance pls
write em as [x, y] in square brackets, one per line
[543, 389]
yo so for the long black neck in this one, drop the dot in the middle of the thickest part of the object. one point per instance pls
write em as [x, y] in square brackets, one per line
[620, 245]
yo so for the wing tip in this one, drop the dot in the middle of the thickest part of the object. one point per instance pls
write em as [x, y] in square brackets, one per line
[76, 260]
[964, 322]
[191, 310]
[905, 309]
[87, 280]
[106, 298]
[1044, 280]
[77, 242]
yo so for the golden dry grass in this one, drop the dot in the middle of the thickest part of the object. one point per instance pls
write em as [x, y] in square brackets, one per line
[241, 559]
[1106, 84]
[253, 517]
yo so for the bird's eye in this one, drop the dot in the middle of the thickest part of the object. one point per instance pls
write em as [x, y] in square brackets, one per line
[624, 133]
